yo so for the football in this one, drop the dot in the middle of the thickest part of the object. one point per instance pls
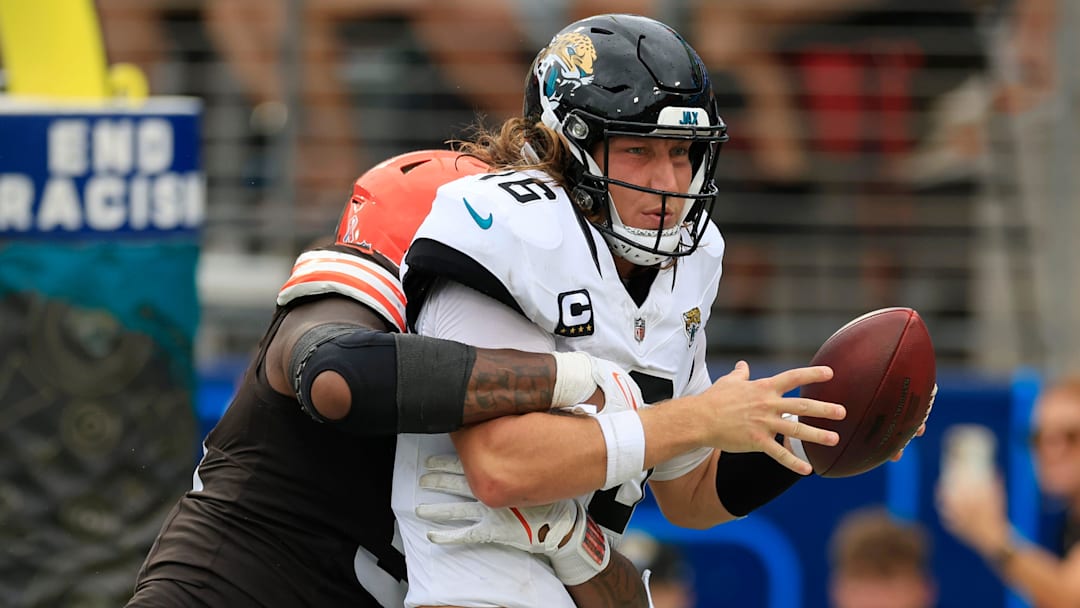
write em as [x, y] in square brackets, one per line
[883, 373]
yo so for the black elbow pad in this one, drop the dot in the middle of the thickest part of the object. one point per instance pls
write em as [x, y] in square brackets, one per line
[397, 383]
[366, 359]
[747, 481]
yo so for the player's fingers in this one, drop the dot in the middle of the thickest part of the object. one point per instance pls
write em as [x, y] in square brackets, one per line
[446, 463]
[451, 511]
[800, 376]
[459, 536]
[447, 483]
[784, 456]
[798, 429]
[813, 408]
[445, 537]
[741, 371]
[922, 429]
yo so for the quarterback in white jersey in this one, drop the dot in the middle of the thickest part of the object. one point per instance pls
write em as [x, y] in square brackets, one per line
[561, 276]
[595, 237]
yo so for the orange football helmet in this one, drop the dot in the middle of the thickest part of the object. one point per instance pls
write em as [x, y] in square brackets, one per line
[390, 201]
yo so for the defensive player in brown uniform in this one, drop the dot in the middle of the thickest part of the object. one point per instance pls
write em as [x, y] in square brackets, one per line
[290, 505]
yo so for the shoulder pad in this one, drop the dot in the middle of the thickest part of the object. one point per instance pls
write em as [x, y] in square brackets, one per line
[353, 275]
[520, 206]
[484, 230]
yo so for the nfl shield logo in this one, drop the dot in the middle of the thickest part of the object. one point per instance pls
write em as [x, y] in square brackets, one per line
[639, 329]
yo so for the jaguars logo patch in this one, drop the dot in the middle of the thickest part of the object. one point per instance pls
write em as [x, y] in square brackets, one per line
[692, 323]
[564, 65]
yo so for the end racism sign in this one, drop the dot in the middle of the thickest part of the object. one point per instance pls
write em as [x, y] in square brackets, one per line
[65, 171]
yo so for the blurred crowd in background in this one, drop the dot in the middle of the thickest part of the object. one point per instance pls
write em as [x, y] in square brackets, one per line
[883, 152]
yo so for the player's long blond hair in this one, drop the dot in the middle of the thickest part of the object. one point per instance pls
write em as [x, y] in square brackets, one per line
[501, 148]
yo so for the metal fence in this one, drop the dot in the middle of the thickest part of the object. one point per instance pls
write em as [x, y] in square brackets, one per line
[883, 152]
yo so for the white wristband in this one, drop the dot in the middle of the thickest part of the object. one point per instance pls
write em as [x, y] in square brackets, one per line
[573, 379]
[625, 440]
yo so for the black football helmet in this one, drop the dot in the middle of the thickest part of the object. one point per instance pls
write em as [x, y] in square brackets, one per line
[612, 75]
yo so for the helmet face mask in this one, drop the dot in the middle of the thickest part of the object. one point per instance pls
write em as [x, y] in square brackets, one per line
[624, 75]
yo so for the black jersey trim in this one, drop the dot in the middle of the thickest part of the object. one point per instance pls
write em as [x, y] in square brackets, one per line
[586, 229]
[429, 260]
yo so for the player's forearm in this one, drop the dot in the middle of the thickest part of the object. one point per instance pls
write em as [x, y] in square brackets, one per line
[505, 382]
[726, 486]
[691, 501]
[618, 585]
[540, 458]
[532, 459]
[672, 428]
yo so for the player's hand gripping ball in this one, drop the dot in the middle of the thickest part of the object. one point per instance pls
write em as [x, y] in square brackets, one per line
[884, 373]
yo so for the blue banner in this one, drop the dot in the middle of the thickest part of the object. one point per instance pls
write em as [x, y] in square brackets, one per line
[69, 171]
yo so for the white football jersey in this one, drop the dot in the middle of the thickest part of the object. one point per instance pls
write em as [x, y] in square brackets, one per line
[517, 239]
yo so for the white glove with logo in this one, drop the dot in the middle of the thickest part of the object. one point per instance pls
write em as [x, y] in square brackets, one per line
[562, 530]
[621, 393]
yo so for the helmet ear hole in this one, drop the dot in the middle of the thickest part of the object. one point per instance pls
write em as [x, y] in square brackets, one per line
[576, 127]
[584, 200]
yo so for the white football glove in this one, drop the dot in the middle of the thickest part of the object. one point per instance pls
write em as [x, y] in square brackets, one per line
[539, 529]
[621, 393]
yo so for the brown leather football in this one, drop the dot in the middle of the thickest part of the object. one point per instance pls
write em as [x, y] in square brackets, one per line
[883, 373]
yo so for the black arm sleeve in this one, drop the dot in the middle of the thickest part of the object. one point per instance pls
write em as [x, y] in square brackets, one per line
[746, 481]
[398, 383]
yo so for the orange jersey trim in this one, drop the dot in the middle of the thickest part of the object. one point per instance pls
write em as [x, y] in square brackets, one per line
[351, 281]
[391, 285]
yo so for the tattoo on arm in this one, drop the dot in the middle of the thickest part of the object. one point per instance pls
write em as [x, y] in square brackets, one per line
[506, 382]
[618, 585]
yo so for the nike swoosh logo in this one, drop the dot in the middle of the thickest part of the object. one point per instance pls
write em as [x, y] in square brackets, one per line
[483, 222]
